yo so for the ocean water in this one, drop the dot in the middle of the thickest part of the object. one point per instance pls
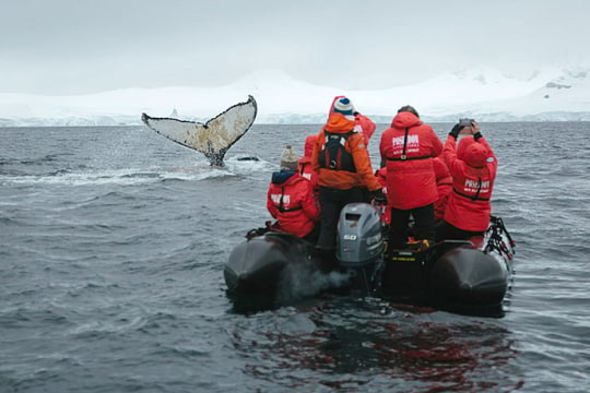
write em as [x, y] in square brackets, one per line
[112, 244]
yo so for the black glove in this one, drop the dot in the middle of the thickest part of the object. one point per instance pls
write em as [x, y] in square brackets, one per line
[379, 197]
[456, 130]
[355, 113]
[477, 135]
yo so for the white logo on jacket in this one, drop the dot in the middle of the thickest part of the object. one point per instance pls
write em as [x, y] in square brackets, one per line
[412, 146]
[473, 185]
[276, 198]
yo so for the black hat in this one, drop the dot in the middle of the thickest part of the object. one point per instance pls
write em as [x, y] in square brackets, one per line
[408, 108]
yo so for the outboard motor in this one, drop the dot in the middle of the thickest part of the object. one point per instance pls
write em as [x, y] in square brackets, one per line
[360, 244]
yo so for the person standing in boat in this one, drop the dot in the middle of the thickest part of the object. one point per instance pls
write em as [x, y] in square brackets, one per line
[364, 125]
[345, 175]
[381, 175]
[304, 166]
[444, 185]
[290, 199]
[408, 148]
[468, 210]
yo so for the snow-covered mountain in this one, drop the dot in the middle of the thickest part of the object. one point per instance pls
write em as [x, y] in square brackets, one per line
[483, 93]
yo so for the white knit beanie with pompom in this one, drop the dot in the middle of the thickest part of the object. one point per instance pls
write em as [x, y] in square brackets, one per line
[289, 158]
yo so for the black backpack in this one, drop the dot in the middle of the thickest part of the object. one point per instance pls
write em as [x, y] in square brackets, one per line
[333, 154]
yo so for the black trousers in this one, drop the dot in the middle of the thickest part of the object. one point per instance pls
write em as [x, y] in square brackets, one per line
[446, 231]
[423, 225]
[332, 201]
[312, 236]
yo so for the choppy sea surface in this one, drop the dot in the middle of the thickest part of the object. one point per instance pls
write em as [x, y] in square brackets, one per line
[112, 244]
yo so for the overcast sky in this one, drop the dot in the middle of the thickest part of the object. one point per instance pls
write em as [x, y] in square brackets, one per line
[84, 46]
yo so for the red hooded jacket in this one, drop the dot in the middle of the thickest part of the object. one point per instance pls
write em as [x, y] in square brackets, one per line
[382, 178]
[364, 125]
[304, 167]
[469, 206]
[464, 143]
[444, 185]
[410, 178]
[290, 201]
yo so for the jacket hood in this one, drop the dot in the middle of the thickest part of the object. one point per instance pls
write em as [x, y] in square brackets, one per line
[441, 171]
[282, 176]
[309, 143]
[463, 144]
[405, 119]
[476, 155]
[303, 161]
[337, 122]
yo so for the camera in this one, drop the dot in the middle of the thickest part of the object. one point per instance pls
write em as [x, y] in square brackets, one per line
[466, 122]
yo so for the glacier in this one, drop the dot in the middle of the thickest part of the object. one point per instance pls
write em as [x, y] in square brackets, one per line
[482, 93]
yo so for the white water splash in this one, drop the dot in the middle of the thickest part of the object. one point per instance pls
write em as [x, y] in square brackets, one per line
[133, 176]
[301, 280]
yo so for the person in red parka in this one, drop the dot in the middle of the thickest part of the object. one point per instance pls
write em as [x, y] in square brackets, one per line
[304, 167]
[463, 144]
[290, 201]
[381, 175]
[365, 125]
[444, 185]
[468, 208]
[345, 175]
[408, 148]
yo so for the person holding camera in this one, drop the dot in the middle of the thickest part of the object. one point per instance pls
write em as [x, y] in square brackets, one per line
[468, 210]
[408, 148]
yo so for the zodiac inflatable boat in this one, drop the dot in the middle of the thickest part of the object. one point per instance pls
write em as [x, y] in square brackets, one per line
[448, 273]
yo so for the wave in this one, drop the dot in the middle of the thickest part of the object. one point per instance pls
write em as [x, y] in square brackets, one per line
[33, 161]
[130, 176]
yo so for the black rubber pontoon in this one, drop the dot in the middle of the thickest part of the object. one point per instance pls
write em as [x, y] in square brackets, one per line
[255, 266]
[451, 273]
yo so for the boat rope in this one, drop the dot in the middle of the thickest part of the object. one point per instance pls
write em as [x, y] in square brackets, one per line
[496, 240]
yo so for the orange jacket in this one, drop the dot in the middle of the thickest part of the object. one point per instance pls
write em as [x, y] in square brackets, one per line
[356, 146]
[361, 122]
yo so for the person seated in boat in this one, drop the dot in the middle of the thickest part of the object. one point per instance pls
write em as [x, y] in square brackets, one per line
[467, 215]
[407, 149]
[304, 166]
[444, 185]
[290, 199]
[345, 175]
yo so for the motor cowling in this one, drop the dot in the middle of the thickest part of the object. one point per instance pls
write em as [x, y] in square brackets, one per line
[360, 237]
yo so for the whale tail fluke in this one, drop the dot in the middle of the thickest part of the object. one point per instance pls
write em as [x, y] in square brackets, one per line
[213, 138]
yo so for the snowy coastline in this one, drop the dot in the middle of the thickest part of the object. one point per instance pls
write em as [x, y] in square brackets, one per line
[483, 93]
